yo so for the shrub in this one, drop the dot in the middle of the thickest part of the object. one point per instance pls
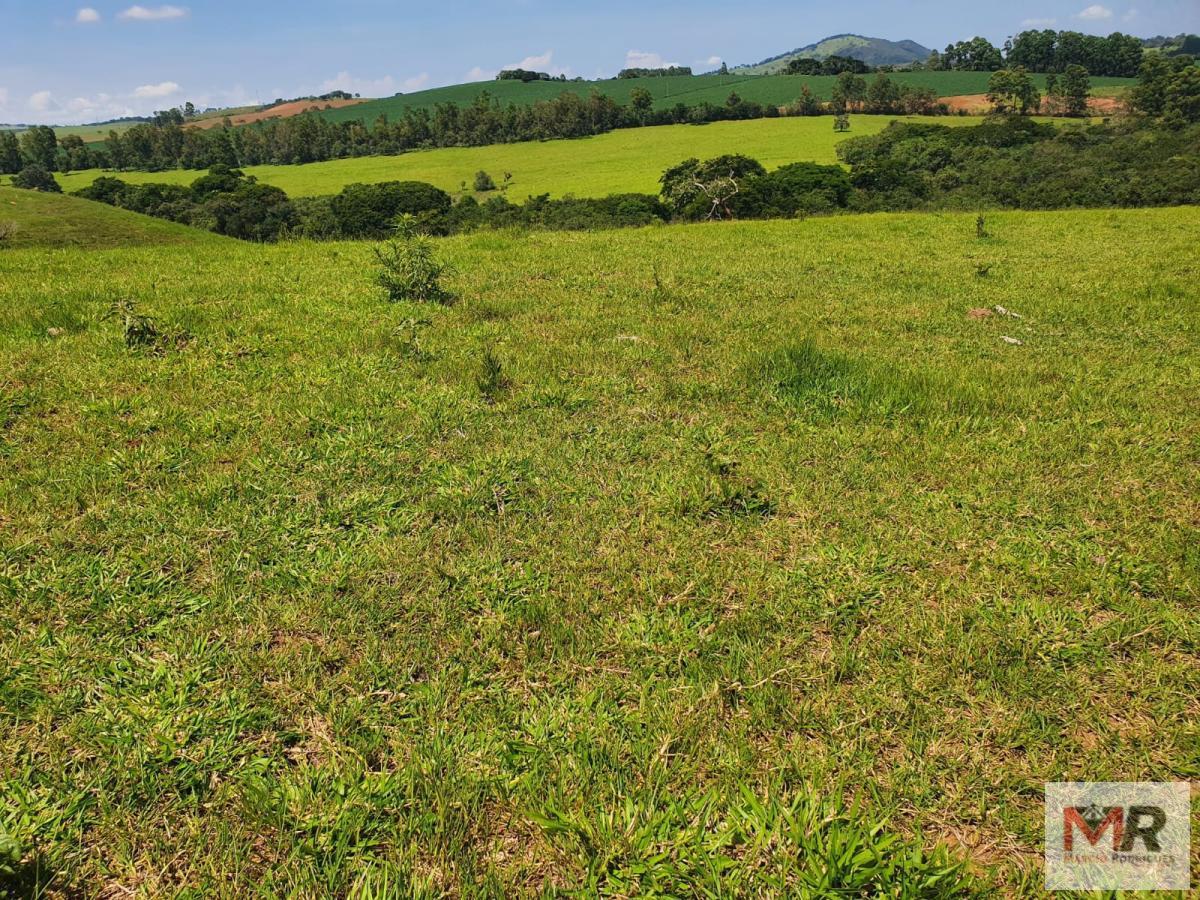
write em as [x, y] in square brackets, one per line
[793, 189]
[703, 190]
[369, 210]
[7, 231]
[104, 190]
[253, 212]
[484, 182]
[409, 270]
[36, 178]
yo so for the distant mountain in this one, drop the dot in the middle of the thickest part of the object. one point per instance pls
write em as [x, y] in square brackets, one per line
[872, 51]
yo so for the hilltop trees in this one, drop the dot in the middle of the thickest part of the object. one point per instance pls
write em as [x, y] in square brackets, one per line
[975, 55]
[830, 65]
[1056, 51]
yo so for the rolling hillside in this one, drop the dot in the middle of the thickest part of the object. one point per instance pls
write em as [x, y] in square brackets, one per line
[872, 51]
[667, 92]
[629, 160]
[53, 220]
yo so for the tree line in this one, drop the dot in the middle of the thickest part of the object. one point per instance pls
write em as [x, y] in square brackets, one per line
[310, 138]
[1118, 55]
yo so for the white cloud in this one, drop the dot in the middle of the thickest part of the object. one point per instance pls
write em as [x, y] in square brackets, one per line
[156, 91]
[41, 101]
[478, 74]
[87, 16]
[1095, 13]
[416, 83]
[153, 14]
[542, 63]
[1039, 23]
[352, 84]
[639, 59]
[713, 61]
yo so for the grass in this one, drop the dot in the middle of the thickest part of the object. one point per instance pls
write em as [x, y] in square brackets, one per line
[628, 160]
[748, 552]
[667, 92]
[53, 220]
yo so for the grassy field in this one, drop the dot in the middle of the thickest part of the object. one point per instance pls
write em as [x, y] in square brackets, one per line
[690, 90]
[50, 220]
[756, 538]
[621, 161]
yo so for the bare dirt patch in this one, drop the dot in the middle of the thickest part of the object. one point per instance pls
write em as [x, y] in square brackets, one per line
[282, 111]
[977, 104]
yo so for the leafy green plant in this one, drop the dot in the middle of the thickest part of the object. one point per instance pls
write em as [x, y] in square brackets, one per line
[409, 268]
[491, 380]
[408, 339]
[484, 182]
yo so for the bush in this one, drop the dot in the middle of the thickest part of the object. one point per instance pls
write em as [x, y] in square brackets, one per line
[484, 182]
[704, 190]
[792, 190]
[36, 178]
[369, 210]
[104, 190]
[254, 212]
[409, 269]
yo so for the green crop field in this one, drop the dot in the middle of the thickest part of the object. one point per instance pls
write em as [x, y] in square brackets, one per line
[628, 160]
[668, 561]
[668, 91]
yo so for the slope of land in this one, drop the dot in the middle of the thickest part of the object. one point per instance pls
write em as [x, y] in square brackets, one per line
[752, 517]
[624, 161]
[52, 220]
[872, 51]
[279, 111]
[667, 92]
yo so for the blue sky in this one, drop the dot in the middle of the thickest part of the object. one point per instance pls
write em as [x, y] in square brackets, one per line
[82, 61]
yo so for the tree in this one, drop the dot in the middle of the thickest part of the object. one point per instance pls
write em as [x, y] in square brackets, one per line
[1182, 99]
[39, 146]
[484, 182]
[1077, 87]
[1164, 84]
[189, 110]
[705, 190]
[850, 91]
[806, 104]
[10, 154]
[841, 122]
[883, 96]
[1013, 91]
[641, 101]
[975, 55]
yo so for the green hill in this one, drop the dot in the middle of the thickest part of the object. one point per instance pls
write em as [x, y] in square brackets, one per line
[667, 92]
[872, 51]
[55, 220]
